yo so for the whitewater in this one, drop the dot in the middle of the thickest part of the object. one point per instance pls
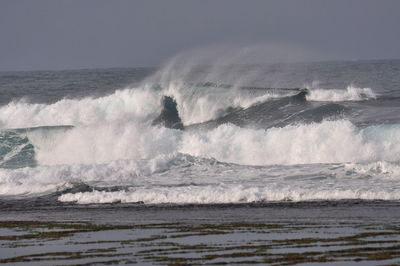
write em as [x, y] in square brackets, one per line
[330, 131]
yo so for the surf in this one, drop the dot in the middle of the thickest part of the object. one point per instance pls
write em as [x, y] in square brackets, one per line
[172, 138]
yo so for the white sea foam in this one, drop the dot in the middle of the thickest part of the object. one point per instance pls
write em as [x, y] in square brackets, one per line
[351, 93]
[195, 104]
[178, 178]
[104, 143]
[228, 194]
[200, 104]
[50, 178]
[183, 179]
[327, 142]
[123, 105]
[382, 169]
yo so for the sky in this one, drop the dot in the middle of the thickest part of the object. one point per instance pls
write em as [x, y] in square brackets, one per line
[74, 34]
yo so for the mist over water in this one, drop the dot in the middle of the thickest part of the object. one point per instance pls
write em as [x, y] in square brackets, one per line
[251, 132]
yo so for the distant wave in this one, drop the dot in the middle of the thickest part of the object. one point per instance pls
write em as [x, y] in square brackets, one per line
[334, 95]
[195, 105]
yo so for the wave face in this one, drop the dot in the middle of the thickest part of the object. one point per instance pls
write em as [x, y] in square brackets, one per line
[236, 142]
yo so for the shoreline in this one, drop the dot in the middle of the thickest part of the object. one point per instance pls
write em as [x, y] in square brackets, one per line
[48, 209]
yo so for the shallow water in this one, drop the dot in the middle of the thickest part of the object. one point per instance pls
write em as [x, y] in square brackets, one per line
[364, 233]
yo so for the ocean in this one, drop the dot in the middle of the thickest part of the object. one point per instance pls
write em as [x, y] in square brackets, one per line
[201, 164]
[181, 134]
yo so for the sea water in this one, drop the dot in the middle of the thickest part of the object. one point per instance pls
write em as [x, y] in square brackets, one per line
[251, 133]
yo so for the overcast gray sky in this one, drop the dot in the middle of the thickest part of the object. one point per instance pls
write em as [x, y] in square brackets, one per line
[65, 34]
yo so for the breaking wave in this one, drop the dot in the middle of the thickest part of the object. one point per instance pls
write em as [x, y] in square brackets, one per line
[195, 105]
[225, 194]
[235, 144]
[351, 93]
[325, 142]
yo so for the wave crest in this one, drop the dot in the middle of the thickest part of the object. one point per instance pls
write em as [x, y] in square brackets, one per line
[225, 194]
[351, 93]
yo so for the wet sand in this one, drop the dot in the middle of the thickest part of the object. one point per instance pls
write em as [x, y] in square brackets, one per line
[344, 233]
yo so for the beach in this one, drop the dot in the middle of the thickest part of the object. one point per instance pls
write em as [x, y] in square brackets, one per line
[342, 233]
